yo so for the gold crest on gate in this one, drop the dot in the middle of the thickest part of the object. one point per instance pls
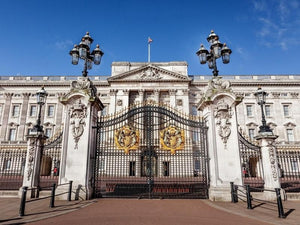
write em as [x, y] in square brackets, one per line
[127, 138]
[172, 139]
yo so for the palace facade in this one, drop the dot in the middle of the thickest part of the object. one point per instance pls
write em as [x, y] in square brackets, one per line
[160, 129]
[168, 83]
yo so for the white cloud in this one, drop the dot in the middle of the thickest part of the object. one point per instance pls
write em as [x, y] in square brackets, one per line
[280, 26]
[242, 52]
[259, 5]
[62, 45]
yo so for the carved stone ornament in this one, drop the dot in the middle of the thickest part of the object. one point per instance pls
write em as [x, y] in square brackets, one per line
[216, 85]
[127, 138]
[179, 102]
[223, 115]
[85, 85]
[273, 162]
[77, 117]
[31, 155]
[119, 102]
[172, 139]
[150, 74]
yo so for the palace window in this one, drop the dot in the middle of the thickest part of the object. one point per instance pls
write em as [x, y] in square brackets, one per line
[286, 110]
[249, 110]
[48, 132]
[101, 165]
[294, 165]
[104, 111]
[197, 165]
[166, 169]
[29, 131]
[7, 164]
[290, 135]
[251, 133]
[50, 111]
[12, 134]
[32, 112]
[268, 110]
[15, 110]
[194, 110]
[132, 168]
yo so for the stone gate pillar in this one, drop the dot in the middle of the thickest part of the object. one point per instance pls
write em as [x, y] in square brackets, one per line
[79, 138]
[35, 145]
[218, 107]
[270, 163]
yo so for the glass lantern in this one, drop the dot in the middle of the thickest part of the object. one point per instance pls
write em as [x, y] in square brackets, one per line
[97, 55]
[202, 53]
[87, 39]
[75, 55]
[225, 52]
[41, 96]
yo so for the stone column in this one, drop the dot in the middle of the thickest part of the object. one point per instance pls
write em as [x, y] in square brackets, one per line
[35, 145]
[185, 101]
[59, 114]
[22, 131]
[156, 96]
[218, 107]
[125, 98]
[79, 141]
[112, 103]
[270, 163]
[172, 98]
[141, 96]
[6, 111]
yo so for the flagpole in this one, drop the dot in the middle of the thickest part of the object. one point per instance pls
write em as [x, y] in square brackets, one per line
[149, 51]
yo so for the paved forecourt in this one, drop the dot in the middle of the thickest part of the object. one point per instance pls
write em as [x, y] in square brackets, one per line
[146, 212]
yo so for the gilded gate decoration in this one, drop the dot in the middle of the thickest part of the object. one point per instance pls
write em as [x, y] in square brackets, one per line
[172, 139]
[151, 151]
[127, 138]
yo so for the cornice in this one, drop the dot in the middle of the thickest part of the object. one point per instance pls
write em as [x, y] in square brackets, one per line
[254, 83]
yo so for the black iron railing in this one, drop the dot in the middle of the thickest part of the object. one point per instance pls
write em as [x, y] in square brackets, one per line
[35, 195]
[12, 165]
[289, 168]
[243, 193]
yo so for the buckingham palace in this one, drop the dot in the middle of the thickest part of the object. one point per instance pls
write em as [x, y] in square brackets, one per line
[154, 127]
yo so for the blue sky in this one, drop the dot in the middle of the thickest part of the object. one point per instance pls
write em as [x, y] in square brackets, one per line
[36, 36]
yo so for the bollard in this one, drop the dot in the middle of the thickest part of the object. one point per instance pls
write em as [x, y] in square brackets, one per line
[23, 201]
[52, 199]
[38, 189]
[249, 197]
[70, 191]
[232, 192]
[279, 203]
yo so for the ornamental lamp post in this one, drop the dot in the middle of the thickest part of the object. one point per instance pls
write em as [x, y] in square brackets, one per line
[217, 49]
[82, 51]
[41, 96]
[261, 100]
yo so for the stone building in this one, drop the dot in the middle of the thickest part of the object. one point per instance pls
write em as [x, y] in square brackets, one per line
[162, 83]
[167, 83]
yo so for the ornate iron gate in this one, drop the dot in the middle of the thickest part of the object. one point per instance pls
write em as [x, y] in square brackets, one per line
[251, 162]
[50, 161]
[151, 151]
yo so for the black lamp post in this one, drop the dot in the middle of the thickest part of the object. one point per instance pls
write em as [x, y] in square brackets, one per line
[217, 49]
[41, 96]
[261, 100]
[82, 51]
